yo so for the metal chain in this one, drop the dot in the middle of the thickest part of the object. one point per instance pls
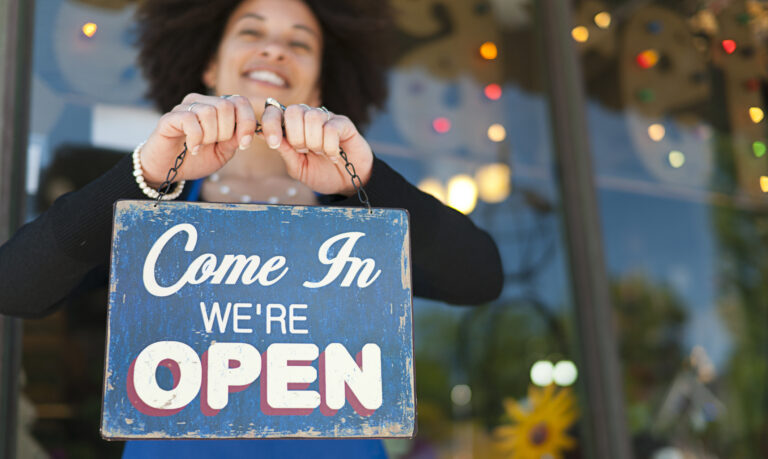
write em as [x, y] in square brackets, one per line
[171, 176]
[357, 182]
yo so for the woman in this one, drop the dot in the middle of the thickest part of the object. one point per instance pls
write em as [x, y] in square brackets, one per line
[239, 53]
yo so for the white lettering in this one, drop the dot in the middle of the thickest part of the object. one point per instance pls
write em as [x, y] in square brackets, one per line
[215, 315]
[364, 267]
[186, 387]
[238, 317]
[280, 374]
[221, 377]
[293, 317]
[204, 268]
[271, 318]
[364, 381]
[150, 283]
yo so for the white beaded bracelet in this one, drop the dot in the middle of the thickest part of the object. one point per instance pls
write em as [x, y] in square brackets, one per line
[148, 191]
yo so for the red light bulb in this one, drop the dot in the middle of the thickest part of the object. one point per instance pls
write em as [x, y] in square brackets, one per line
[729, 46]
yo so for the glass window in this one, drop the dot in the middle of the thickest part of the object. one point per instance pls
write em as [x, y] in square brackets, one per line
[676, 99]
[467, 120]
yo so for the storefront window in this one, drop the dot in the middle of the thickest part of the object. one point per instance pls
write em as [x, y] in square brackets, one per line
[467, 120]
[676, 100]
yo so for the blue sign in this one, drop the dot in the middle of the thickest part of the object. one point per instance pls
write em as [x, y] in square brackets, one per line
[258, 321]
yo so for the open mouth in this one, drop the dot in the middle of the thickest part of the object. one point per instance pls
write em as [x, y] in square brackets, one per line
[268, 77]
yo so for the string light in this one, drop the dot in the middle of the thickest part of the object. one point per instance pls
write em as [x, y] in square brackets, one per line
[462, 193]
[565, 373]
[647, 59]
[433, 187]
[441, 125]
[646, 95]
[759, 148]
[89, 29]
[493, 91]
[656, 132]
[676, 159]
[497, 133]
[729, 46]
[489, 51]
[493, 182]
[764, 184]
[541, 373]
[603, 20]
[580, 34]
[757, 114]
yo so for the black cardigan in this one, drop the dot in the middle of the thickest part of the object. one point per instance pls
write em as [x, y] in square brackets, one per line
[48, 258]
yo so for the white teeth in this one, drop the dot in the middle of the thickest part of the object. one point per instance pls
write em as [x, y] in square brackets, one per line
[267, 77]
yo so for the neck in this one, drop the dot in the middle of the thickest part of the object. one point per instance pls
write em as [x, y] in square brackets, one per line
[257, 161]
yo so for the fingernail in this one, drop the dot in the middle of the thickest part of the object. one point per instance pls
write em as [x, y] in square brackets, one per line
[196, 150]
[245, 141]
[317, 152]
[303, 150]
[273, 141]
[335, 159]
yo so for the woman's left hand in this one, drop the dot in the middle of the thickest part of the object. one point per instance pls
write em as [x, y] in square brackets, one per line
[311, 146]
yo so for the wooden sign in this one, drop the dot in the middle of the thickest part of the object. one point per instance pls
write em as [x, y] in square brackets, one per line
[258, 321]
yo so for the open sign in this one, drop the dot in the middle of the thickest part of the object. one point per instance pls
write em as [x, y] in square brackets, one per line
[255, 321]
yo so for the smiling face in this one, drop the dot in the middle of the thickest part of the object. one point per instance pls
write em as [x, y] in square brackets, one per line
[270, 48]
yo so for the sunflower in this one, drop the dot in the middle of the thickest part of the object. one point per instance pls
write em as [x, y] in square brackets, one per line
[540, 431]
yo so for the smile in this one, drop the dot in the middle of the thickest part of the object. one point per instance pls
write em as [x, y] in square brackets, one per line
[266, 76]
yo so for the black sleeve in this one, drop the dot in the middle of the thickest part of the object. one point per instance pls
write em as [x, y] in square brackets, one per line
[48, 258]
[452, 259]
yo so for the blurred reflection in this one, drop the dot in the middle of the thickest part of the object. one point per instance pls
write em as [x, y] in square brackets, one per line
[676, 107]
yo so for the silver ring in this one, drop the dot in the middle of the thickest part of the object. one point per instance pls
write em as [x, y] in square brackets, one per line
[189, 109]
[229, 96]
[274, 103]
[327, 112]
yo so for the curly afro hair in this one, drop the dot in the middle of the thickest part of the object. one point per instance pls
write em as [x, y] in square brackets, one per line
[178, 38]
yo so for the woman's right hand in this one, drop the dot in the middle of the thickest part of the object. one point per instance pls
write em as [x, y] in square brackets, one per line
[214, 128]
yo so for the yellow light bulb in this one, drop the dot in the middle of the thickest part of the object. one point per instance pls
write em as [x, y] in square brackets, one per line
[764, 184]
[497, 133]
[462, 193]
[489, 51]
[656, 132]
[433, 187]
[580, 34]
[757, 114]
[493, 182]
[603, 20]
[676, 159]
[89, 29]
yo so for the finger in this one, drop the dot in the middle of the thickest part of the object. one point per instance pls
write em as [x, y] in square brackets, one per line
[272, 126]
[245, 121]
[294, 127]
[175, 124]
[331, 139]
[192, 98]
[313, 129]
[225, 117]
[207, 116]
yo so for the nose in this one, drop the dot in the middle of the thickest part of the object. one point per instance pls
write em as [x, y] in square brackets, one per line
[273, 51]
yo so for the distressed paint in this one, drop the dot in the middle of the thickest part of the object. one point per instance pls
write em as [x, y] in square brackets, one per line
[380, 313]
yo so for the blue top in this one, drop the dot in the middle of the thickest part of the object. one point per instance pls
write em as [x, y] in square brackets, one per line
[267, 448]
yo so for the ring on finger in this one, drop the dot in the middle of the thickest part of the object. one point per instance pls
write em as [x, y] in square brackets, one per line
[192, 105]
[326, 111]
[229, 96]
[274, 103]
